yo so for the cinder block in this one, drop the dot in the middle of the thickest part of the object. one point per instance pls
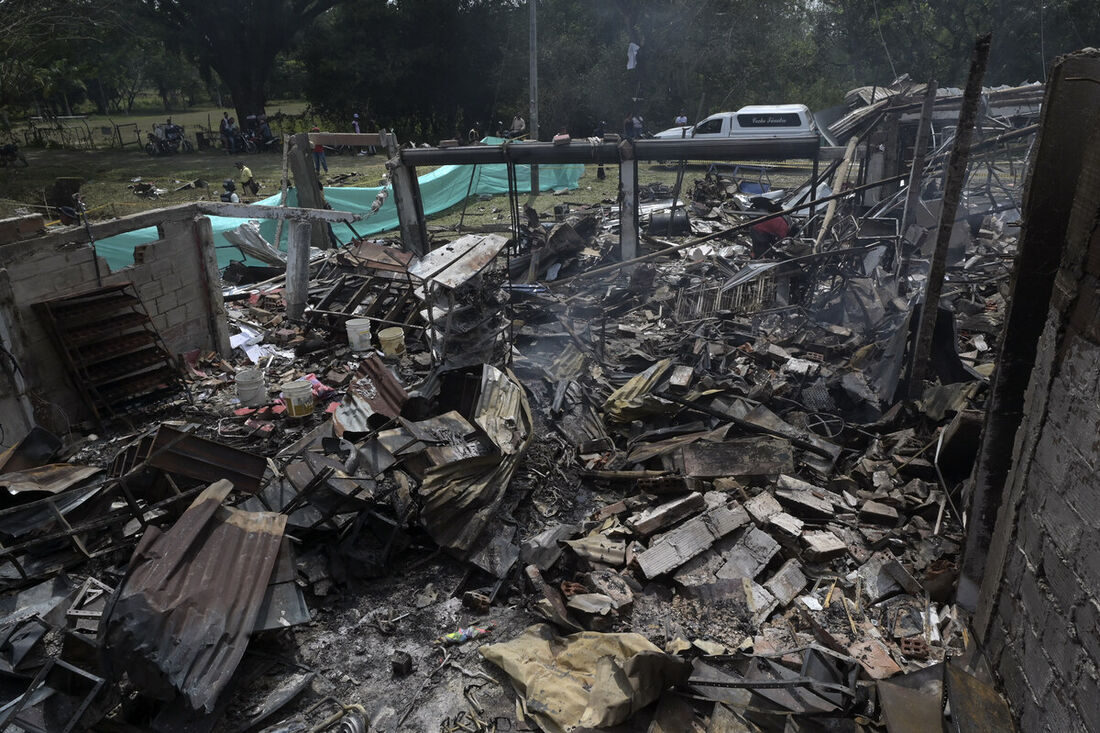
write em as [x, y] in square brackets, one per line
[1087, 698]
[1029, 537]
[167, 302]
[21, 227]
[1064, 650]
[1037, 667]
[1061, 713]
[1063, 524]
[1081, 490]
[1016, 688]
[1086, 562]
[1064, 584]
[1080, 367]
[176, 316]
[1086, 619]
[1033, 600]
[150, 291]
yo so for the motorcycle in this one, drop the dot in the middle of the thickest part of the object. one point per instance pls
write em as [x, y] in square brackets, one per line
[167, 140]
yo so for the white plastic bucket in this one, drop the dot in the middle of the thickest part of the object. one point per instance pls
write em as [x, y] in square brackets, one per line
[298, 397]
[251, 390]
[392, 341]
[358, 334]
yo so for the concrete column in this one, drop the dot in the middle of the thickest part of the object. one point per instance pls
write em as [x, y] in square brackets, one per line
[297, 268]
[410, 208]
[628, 202]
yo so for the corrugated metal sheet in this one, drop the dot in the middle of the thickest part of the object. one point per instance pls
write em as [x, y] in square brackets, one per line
[461, 498]
[180, 621]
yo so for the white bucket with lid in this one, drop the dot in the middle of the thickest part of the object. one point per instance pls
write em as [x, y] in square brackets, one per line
[359, 333]
[298, 397]
[251, 390]
[392, 341]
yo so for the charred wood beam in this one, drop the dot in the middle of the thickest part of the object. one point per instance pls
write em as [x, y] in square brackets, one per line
[952, 191]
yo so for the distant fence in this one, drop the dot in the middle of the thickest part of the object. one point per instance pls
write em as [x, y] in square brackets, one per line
[75, 132]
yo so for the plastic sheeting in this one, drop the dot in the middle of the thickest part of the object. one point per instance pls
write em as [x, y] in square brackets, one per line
[439, 190]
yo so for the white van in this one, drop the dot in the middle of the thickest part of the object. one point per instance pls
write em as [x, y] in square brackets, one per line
[757, 122]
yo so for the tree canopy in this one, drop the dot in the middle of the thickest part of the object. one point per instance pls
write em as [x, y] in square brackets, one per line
[435, 68]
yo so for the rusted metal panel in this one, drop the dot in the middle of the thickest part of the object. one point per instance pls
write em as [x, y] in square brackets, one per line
[375, 392]
[179, 452]
[379, 257]
[180, 622]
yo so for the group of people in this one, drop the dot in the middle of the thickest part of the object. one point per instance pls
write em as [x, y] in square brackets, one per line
[231, 133]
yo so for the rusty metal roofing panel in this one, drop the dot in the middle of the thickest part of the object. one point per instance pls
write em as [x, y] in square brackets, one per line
[455, 263]
[375, 391]
[180, 452]
[379, 257]
[180, 621]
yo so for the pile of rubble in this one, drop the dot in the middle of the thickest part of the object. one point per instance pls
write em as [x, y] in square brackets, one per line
[693, 492]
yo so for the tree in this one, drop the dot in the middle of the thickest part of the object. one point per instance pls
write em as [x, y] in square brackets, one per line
[238, 39]
[45, 46]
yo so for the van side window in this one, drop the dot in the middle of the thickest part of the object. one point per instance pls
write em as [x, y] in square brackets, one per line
[770, 119]
[708, 127]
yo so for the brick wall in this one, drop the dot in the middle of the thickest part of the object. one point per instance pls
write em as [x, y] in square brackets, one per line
[169, 277]
[1039, 607]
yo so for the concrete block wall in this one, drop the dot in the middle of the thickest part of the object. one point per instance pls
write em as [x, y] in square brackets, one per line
[168, 275]
[1039, 606]
[1044, 636]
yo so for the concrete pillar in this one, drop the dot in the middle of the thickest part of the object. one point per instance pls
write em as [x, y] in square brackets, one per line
[628, 201]
[297, 268]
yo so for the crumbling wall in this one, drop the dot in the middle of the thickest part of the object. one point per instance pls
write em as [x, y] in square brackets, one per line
[170, 274]
[1039, 605]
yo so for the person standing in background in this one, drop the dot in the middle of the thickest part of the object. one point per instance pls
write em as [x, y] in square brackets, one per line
[319, 159]
[248, 183]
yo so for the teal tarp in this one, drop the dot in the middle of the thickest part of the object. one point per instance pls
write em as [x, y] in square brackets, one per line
[439, 190]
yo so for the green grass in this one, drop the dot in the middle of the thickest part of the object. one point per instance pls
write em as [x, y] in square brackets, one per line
[108, 174]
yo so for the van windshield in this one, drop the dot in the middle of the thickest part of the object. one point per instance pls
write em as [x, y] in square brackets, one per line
[770, 119]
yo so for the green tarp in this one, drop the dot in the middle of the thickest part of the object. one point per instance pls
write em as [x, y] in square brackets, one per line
[439, 190]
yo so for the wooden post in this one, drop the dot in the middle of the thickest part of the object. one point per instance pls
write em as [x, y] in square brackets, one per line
[307, 184]
[284, 182]
[956, 174]
[838, 183]
[628, 197]
[203, 233]
[297, 267]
